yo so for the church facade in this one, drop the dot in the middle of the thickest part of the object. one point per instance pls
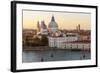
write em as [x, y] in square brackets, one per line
[52, 28]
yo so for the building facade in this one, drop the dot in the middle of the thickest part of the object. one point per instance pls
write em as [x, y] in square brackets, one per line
[70, 41]
[56, 41]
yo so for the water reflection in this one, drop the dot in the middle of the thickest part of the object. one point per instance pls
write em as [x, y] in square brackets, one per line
[54, 55]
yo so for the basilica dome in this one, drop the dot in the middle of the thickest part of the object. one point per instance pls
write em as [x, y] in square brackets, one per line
[53, 26]
[52, 23]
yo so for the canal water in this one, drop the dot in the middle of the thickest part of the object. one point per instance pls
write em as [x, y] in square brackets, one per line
[54, 55]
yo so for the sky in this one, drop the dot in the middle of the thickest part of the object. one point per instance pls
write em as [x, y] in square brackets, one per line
[65, 20]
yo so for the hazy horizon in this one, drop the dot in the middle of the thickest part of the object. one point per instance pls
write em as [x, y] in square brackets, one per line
[65, 20]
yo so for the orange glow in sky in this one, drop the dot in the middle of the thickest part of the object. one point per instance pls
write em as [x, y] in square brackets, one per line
[65, 20]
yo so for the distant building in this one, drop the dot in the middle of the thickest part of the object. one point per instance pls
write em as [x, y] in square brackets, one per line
[28, 35]
[78, 28]
[84, 36]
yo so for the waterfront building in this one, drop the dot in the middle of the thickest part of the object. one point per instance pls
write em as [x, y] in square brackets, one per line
[69, 43]
[55, 41]
[79, 45]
